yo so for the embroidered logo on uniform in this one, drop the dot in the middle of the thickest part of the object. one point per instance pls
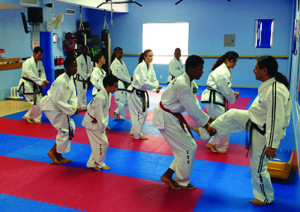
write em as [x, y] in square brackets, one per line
[259, 101]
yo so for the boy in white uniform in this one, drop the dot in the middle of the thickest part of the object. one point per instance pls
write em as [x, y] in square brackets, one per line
[32, 81]
[178, 98]
[175, 66]
[58, 105]
[95, 122]
[119, 69]
[83, 77]
[267, 117]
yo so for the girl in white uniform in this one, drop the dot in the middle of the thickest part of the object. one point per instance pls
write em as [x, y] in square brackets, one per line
[31, 84]
[95, 122]
[119, 69]
[268, 116]
[98, 74]
[218, 93]
[144, 79]
[178, 98]
[175, 66]
[83, 77]
[58, 105]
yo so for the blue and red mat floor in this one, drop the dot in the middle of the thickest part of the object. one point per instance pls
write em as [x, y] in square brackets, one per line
[30, 182]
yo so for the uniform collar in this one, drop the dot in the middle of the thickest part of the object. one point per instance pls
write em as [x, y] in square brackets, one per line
[266, 84]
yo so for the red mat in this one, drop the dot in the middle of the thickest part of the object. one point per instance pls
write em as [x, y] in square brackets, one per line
[90, 190]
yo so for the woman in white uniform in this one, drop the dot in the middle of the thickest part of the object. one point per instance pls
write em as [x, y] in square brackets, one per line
[98, 74]
[119, 69]
[144, 79]
[268, 117]
[218, 93]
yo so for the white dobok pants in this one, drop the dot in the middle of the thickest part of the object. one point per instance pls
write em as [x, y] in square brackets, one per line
[235, 121]
[219, 142]
[61, 122]
[99, 146]
[81, 95]
[121, 101]
[183, 146]
[138, 117]
[34, 112]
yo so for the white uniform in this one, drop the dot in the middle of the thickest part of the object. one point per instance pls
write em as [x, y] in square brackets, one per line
[215, 96]
[33, 75]
[95, 122]
[58, 105]
[178, 98]
[83, 73]
[144, 79]
[272, 108]
[120, 70]
[97, 80]
[175, 69]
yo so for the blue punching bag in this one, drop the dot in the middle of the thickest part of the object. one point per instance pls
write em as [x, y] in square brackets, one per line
[48, 59]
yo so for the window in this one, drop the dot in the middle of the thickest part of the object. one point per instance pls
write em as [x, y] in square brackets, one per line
[164, 38]
[264, 33]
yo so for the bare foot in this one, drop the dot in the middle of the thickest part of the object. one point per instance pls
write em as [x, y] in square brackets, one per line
[27, 120]
[259, 203]
[169, 182]
[142, 138]
[95, 168]
[222, 152]
[188, 187]
[65, 160]
[211, 148]
[131, 133]
[52, 156]
[116, 115]
[105, 167]
[37, 122]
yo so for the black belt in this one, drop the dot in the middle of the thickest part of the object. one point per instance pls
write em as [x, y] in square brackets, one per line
[37, 89]
[142, 94]
[250, 126]
[212, 98]
[84, 82]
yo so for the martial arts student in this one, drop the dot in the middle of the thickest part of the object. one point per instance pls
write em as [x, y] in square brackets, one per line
[176, 99]
[266, 120]
[82, 78]
[144, 79]
[175, 66]
[218, 93]
[119, 69]
[58, 105]
[95, 122]
[31, 84]
[98, 74]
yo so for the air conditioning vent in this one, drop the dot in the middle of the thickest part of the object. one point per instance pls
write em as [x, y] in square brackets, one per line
[30, 2]
[70, 12]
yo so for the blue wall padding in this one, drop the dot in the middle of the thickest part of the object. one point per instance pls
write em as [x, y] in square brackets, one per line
[48, 59]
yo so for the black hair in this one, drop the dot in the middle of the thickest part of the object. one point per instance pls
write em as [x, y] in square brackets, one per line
[38, 49]
[145, 53]
[271, 64]
[97, 57]
[109, 80]
[193, 61]
[68, 61]
[231, 56]
[116, 50]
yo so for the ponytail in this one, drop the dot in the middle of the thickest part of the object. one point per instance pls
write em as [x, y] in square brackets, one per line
[231, 56]
[271, 64]
[142, 55]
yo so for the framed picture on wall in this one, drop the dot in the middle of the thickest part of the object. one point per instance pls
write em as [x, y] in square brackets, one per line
[264, 32]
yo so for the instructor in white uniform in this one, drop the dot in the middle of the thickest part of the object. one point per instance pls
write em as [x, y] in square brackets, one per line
[175, 66]
[144, 79]
[218, 93]
[83, 77]
[119, 69]
[31, 84]
[178, 98]
[268, 116]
